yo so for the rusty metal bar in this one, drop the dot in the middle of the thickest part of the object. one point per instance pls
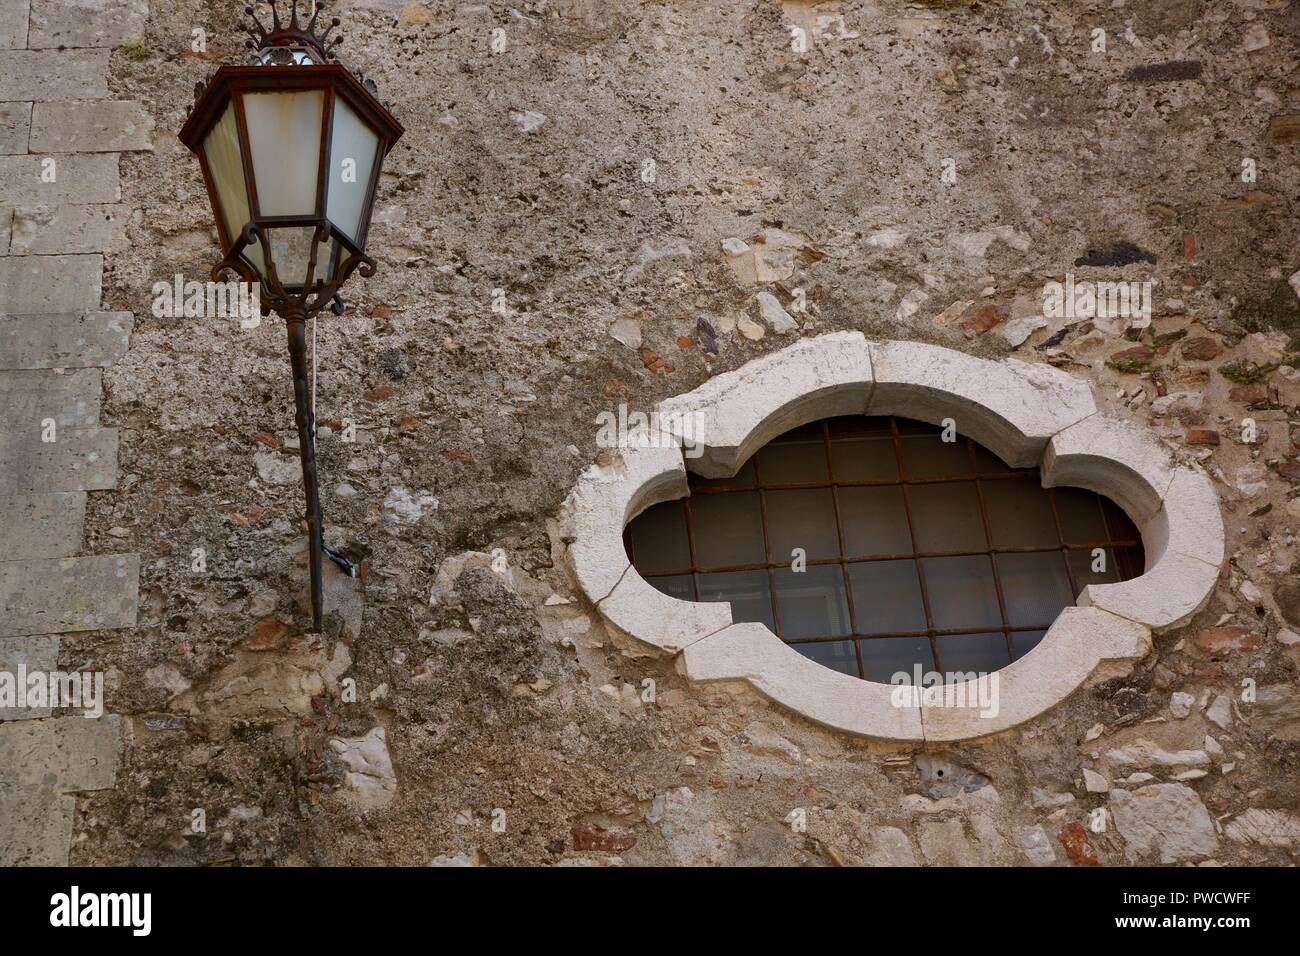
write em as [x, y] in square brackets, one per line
[1120, 546]
[767, 553]
[911, 531]
[839, 534]
[296, 320]
[993, 561]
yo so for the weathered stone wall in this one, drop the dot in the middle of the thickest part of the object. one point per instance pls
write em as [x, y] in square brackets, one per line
[60, 213]
[483, 689]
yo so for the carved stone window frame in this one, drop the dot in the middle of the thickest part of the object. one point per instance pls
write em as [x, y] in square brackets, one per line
[1029, 415]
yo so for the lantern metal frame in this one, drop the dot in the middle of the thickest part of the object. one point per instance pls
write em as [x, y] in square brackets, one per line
[294, 58]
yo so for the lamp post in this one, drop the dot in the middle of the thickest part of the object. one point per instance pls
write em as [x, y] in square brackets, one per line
[291, 147]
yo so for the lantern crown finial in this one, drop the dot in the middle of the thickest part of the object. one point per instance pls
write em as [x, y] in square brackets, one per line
[293, 34]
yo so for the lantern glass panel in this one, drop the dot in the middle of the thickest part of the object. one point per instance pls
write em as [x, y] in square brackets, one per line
[291, 251]
[284, 132]
[226, 169]
[353, 147]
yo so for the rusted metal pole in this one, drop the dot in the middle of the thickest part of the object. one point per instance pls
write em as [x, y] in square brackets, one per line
[297, 324]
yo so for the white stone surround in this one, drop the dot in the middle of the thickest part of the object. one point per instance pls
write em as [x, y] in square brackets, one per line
[1027, 414]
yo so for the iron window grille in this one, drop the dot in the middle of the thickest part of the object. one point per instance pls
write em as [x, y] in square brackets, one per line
[916, 551]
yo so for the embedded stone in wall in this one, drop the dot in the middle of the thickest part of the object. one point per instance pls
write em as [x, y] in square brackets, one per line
[43, 526]
[890, 847]
[64, 341]
[82, 459]
[58, 284]
[944, 843]
[90, 127]
[69, 229]
[28, 654]
[262, 685]
[1034, 843]
[1164, 817]
[13, 24]
[68, 594]
[70, 398]
[1276, 711]
[44, 76]
[1264, 828]
[35, 825]
[369, 776]
[85, 23]
[62, 178]
[15, 123]
[76, 753]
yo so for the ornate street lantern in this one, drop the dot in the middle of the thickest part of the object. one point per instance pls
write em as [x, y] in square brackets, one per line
[291, 147]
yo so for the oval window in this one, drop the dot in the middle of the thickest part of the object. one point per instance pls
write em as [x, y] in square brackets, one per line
[877, 545]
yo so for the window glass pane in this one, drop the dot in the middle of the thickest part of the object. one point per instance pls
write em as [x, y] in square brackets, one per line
[1022, 642]
[1020, 513]
[914, 426]
[353, 148]
[680, 586]
[1130, 561]
[862, 449]
[1120, 524]
[284, 134]
[850, 426]
[883, 657]
[811, 603]
[928, 456]
[743, 478]
[1082, 563]
[875, 521]
[802, 434]
[1081, 516]
[837, 655]
[728, 529]
[1035, 586]
[987, 463]
[796, 456]
[946, 517]
[748, 592]
[886, 596]
[972, 653]
[961, 592]
[659, 538]
[802, 519]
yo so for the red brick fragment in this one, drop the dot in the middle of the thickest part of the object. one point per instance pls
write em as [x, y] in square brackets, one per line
[984, 318]
[587, 836]
[1075, 840]
[1232, 639]
[267, 633]
[1201, 349]
[1248, 393]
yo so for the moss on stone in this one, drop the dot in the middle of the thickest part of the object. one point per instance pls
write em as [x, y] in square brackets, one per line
[134, 50]
[1243, 372]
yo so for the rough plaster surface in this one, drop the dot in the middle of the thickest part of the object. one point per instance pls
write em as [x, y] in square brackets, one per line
[516, 696]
